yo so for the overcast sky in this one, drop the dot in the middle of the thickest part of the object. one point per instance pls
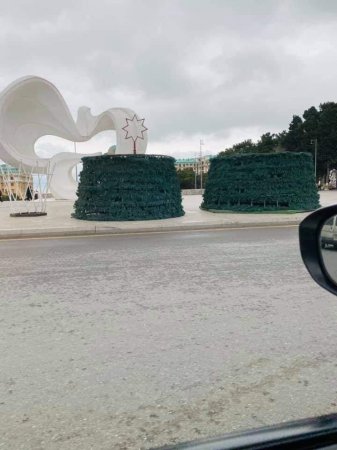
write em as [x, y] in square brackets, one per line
[217, 70]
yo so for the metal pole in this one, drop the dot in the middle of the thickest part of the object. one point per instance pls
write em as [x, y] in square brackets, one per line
[201, 144]
[314, 141]
[316, 159]
[195, 171]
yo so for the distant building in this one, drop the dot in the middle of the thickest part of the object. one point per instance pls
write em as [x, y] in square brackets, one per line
[197, 164]
[15, 181]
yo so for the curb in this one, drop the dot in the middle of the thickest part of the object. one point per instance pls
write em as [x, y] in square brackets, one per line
[101, 231]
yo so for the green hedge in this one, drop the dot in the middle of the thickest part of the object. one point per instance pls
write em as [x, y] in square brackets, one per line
[261, 182]
[128, 187]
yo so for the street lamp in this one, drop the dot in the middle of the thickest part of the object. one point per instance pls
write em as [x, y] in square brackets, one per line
[195, 170]
[201, 144]
[314, 141]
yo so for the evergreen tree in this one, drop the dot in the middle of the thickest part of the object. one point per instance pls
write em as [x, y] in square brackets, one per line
[246, 146]
[327, 137]
[268, 143]
[320, 124]
[186, 178]
[293, 140]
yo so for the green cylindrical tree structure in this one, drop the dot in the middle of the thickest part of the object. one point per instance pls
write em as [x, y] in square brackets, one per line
[261, 182]
[128, 187]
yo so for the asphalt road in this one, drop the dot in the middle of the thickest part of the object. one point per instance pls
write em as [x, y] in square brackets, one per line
[129, 342]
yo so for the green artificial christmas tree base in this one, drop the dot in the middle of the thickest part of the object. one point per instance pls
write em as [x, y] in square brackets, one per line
[128, 187]
[278, 182]
[255, 211]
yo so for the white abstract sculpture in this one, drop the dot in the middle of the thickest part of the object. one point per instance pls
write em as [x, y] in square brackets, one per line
[32, 107]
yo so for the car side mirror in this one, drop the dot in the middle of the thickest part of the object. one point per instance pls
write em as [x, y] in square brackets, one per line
[318, 244]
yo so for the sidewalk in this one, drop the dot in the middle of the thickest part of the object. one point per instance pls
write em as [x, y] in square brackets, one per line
[58, 221]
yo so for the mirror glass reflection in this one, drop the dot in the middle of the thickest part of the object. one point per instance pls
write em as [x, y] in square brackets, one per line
[328, 243]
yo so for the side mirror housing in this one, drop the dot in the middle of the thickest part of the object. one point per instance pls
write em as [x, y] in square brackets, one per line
[318, 245]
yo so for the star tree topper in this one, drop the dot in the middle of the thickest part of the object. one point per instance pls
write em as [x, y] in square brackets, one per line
[134, 129]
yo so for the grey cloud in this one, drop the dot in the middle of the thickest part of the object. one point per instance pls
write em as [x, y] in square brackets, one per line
[188, 66]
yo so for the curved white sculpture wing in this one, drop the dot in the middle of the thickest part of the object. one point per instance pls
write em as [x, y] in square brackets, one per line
[112, 119]
[62, 184]
[32, 107]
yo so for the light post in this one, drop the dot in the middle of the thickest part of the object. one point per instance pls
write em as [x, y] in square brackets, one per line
[201, 144]
[195, 170]
[314, 141]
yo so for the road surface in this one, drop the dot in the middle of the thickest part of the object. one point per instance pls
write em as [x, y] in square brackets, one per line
[129, 342]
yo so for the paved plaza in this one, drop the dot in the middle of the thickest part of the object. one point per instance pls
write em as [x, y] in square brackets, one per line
[59, 221]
